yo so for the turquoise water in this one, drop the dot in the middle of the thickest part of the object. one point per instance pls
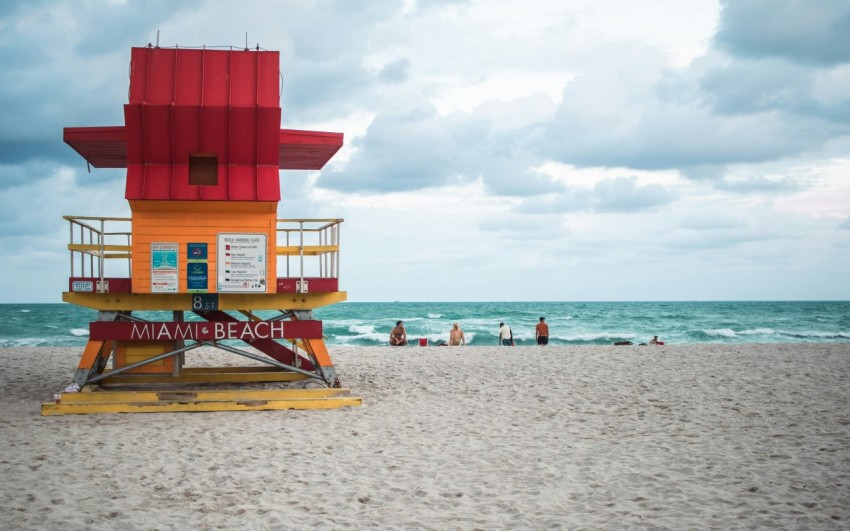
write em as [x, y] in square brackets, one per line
[570, 323]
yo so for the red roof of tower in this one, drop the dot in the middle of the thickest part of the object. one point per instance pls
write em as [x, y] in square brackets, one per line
[190, 102]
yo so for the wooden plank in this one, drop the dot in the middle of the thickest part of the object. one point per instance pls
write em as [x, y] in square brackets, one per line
[95, 247]
[222, 377]
[183, 301]
[170, 206]
[156, 331]
[309, 250]
[155, 225]
[198, 395]
[234, 370]
[50, 408]
[92, 351]
[196, 225]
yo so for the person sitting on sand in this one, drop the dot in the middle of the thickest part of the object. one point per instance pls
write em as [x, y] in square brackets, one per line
[654, 340]
[541, 332]
[456, 337]
[398, 335]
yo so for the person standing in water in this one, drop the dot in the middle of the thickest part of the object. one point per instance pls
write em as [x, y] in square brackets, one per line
[541, 332]
[456, 338]
[506, 336]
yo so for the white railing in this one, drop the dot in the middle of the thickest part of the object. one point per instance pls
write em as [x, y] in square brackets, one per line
[310, 247]
[93, 240]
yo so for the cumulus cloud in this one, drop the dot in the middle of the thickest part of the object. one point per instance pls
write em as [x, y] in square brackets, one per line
[797, 30]
[396, 71]
[730, 106]
[417, 148]
[577, 134]
[758, 184]
[624, 194]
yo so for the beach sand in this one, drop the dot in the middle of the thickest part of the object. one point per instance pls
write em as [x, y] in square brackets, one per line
[675, 437]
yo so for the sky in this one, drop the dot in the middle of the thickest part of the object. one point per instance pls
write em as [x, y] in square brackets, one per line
[526, 150]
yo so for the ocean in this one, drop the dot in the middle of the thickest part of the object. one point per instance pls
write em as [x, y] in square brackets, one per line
[352, 324]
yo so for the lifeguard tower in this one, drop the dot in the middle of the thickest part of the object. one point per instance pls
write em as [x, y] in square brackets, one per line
[204, 248]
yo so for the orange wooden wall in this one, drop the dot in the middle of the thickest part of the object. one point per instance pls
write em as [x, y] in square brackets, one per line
[183, 222]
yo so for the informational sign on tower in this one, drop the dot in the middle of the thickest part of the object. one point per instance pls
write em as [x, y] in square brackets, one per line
[197, 272]
[164, 275]
[241, 262]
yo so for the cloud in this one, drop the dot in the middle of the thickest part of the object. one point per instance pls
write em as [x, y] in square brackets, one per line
[396, 71]
[797, 30]
[717, 112]
[758, 184]
[630, 149]
[416, 148]
[615, 194]
[624, 194]
[65, 64]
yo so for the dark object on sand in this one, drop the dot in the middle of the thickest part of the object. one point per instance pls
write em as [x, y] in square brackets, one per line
[624, 343]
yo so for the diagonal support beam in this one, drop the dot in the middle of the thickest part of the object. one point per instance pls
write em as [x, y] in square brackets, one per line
[270, 347]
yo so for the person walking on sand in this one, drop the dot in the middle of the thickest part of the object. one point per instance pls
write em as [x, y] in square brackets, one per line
[398, 335]
[506, 336]
[456, 338]
[541, 332]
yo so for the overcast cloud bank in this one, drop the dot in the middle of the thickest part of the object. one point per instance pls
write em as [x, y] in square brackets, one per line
[494, 151]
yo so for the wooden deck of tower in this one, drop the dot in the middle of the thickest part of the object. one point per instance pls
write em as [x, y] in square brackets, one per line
[204, 247]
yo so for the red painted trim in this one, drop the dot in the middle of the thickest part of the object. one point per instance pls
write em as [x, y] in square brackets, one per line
[270, 347]
[102, 147]
[106, 147]
[314, 284]
[212, 331]
[307, 150]
[89, 284]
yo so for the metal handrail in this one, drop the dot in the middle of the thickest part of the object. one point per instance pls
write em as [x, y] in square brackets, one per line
[317, 238]
[91, 241]
[325, 248]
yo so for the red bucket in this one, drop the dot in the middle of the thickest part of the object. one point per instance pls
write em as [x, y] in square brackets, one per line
[423, 341]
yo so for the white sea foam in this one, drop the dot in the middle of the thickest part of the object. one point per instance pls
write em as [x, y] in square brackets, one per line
[757, 332]
[725, 332]
[23, 342]
[435, 315]
[26, 311]
[79, 332]
[361, 329]
[368, 334]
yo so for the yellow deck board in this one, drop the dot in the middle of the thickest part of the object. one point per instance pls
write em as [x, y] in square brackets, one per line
[183, 301]
[50, 408]
[211, 377]
[107, 396]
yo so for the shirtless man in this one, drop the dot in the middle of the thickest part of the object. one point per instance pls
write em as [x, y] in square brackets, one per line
[398, 335]
[541, 332]
[456, 338]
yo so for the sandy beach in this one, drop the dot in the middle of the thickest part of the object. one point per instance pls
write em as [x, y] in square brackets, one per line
[675, 437]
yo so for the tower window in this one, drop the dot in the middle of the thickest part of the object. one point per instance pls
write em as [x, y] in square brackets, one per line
[203, 169]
